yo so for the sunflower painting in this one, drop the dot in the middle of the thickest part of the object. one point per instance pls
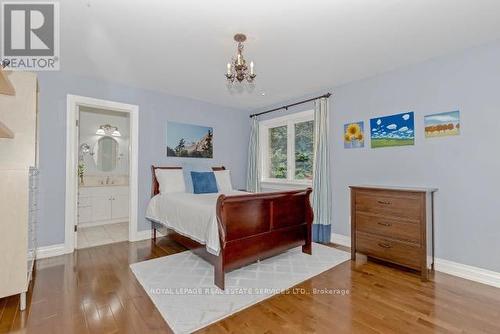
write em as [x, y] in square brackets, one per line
[354, 136]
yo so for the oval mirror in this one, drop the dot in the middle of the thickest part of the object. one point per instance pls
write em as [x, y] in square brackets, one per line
[105, 154]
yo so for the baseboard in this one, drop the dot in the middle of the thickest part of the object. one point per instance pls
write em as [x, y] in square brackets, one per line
[50, 251]
[342, 240]
[60, 249]
[468, 272]
[471, 273]
[101, 223]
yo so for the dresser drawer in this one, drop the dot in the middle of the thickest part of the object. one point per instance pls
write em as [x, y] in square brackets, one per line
[409, 206]
[389, 249]
[389, 227]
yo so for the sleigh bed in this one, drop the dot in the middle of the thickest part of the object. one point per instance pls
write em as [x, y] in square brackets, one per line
[250, 226]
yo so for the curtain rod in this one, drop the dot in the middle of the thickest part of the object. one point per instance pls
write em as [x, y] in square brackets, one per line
[327, 95]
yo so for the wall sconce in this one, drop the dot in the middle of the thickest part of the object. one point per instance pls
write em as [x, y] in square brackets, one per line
[108, 130]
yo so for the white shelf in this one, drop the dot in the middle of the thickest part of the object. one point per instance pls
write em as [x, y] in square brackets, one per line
[5, 132]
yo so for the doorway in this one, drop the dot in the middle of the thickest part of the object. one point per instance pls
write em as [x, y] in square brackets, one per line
[103, 177]
[101, 172]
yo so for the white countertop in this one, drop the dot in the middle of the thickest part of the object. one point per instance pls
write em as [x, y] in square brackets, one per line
[399, 188]
[102, 185]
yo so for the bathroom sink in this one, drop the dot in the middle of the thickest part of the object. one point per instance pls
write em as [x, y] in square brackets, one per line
[105, 181]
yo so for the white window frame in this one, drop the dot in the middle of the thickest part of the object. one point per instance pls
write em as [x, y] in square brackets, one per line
[289, 121]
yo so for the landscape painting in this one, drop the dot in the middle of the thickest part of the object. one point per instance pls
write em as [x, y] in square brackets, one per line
[189, 141]
[394, 130]
[442, 124]
[354, 135]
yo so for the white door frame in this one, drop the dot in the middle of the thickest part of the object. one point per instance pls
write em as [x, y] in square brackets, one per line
[71, 213]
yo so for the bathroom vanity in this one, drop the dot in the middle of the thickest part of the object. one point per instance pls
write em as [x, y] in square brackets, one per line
[103, 204]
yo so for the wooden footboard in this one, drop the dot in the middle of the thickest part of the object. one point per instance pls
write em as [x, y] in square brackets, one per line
[253, 227]
[256, 226]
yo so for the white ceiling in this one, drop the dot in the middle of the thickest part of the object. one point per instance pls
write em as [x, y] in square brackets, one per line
[180, 47]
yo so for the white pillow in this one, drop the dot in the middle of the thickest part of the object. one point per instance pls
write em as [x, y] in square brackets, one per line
[171, 180]
[223, 178]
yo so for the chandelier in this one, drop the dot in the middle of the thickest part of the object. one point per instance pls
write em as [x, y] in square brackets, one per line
[237, 69]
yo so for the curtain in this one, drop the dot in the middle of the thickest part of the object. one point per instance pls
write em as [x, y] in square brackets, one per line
[321, 195]
[253, 168]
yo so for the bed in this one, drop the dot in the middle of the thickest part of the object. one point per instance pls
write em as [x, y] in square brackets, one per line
[233, 229]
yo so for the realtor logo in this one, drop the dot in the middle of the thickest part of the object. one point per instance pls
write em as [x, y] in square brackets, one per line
[30, 35]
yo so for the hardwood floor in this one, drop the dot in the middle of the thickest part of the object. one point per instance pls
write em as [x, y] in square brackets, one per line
[94, 291]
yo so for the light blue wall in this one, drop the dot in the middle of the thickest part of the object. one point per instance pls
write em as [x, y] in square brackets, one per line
[466, 168]
[231, 131]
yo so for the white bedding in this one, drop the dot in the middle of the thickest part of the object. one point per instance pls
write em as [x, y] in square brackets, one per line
[192, 215]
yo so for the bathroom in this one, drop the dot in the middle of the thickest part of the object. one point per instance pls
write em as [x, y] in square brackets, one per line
[103, 177]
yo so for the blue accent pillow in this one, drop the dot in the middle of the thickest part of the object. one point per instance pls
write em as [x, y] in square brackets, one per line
[204, 182]
[187, 168]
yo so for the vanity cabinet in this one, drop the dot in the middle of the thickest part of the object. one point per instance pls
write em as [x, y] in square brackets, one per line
[103, 205]
[120, 206]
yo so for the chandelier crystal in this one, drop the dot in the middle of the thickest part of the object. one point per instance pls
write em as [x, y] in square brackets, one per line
[237, 69]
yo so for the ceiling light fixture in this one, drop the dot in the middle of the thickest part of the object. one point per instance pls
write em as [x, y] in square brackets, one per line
[237, 69]
[108, 130]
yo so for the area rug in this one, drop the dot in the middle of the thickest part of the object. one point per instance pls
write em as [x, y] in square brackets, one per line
[182, 285]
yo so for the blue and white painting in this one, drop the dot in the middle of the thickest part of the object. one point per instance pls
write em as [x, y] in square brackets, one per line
[189, 141]
[394, 130]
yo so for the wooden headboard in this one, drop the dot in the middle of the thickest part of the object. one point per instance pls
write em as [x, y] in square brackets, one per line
[155, 186]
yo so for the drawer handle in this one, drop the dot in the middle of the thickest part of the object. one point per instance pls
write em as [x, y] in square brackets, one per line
[384, 245]
[384, 202]
[385, 224]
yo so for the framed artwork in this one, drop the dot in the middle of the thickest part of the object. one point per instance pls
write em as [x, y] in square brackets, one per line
[189, 141]
[354, 135]
[393, 130]
[442, 124]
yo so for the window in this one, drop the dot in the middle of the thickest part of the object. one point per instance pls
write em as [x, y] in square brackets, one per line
[287, 148]
[277, 156]
[304, 150]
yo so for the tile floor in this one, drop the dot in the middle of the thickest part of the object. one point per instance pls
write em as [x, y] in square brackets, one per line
[101, 235]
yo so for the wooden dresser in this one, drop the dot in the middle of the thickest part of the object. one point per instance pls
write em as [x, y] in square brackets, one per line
[394, 224]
